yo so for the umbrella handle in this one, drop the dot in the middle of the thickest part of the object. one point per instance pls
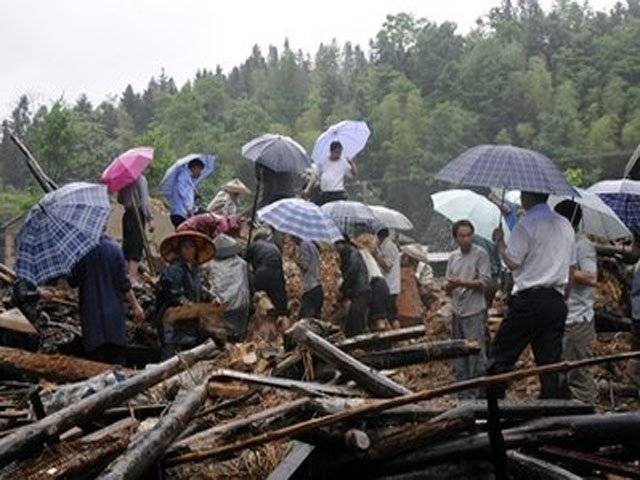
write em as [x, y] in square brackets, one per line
[253, 211]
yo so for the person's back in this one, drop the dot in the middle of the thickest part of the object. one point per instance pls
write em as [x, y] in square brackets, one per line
[264, 254]
[275, 185]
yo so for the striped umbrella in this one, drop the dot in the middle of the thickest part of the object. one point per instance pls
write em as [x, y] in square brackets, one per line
[300, 218]
[391, 218]
[61, 229]
[506, 167]
[352, 216]
[623, 196]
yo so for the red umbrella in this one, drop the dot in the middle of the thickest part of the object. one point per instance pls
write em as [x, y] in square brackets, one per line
[127, 168]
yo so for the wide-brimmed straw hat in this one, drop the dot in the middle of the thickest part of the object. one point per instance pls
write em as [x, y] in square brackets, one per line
[416, 251]
[236, 186]
[170, 246]
[226, 247]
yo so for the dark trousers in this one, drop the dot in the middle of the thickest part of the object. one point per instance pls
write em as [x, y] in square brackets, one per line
[312, 303]
[132, 241]
[356, 322]
[109, 353]
[536, 317]
[326, 197]
[393, 307]
[176, 220]
[271, 280]
[379, 301]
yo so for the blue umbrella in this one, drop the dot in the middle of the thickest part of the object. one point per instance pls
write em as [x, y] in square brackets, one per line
[300, 218]
[277, 152]
[352, 216]
[506, 167]
[60, 229]
[167, 183]
[623, 197]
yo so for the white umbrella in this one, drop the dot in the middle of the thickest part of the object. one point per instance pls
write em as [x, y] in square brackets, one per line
[353, 136]
[391, 218]
[598, 218]
[467, 205]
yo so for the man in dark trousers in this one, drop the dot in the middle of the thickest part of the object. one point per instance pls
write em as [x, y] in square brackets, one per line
[266, 262]
[540, 252]
[102, 278]
[355, 288]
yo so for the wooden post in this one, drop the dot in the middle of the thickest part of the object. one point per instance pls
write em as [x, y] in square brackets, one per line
[369, 379]
[36, 170]
[254, 209]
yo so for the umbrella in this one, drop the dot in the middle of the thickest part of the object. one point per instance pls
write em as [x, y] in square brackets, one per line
[300, 218]
[467, 205]
[391, 218]
[126, 168]
[277, 152]
[168, 181]
[623, 196]
[353, 136]
[60, 229]
[349, 216]
[598, 218]
[506, 167]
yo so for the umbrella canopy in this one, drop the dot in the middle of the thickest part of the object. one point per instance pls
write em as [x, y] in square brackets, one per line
[467, 205]
[391, 218]
[126, 168]
[61, 229]
[598, 218]
[300, 218]
[168, 181]
[507, 167]
[277, 152]
[353, 136]
[623, 196]
[350, 216]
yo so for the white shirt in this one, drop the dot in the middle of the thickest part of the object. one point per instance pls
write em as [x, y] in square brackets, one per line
[372, 266]
[332, 173]
[391, 256]
[543, 245]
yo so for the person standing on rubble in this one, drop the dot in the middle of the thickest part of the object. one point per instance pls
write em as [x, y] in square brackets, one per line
[268, 275]
[101, 276]
[332, 173]
[468, 273]
[540, 252]
[308, 260]
[132, 237]
[580, 329]
[182, 202]
[355, 289]
[389, 261]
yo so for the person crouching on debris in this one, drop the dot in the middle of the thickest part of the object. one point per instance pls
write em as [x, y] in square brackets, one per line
[580, 330]
[308, 260]
[226, 200]
[181, 284]
[268, 275]
[379, 300]
[230, 282]
[355, 288]
[101, 276]
[468, 273]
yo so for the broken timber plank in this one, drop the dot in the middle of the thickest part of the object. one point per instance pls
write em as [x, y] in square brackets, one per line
[134, 462]
[369, 409]
[295, 461]
[15, 321]
[88, 408]
[308, 388]
[367, 378]
[193, 310]
[520, 410]
[593, 461]
[532, 467]
[53, 367]
[368, 340]
[419, 353]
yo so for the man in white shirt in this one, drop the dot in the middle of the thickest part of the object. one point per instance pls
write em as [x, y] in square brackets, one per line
[332, 172]
[468, 274]
[540, 252]
[580, 330]
[389, 261]
[379, 301]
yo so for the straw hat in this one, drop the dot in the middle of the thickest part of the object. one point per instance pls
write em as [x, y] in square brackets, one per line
[170, 246]
[416, 251]
[226, 247]
[236, 186]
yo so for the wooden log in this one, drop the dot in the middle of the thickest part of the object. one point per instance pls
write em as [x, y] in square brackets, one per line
[192, 310]
[307, 388]
[7, 272]
[369, 409]
[592, 461]
[15, 321]
[143, 453]
[367, 378]
[214, 435]
[53, 367]
[527, 466]
[367, 341]
[353, 440]
[520, 410]
[419, 353]
[88, 408]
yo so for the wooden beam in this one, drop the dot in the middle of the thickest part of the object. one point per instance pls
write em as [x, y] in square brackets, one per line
[419, 353]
